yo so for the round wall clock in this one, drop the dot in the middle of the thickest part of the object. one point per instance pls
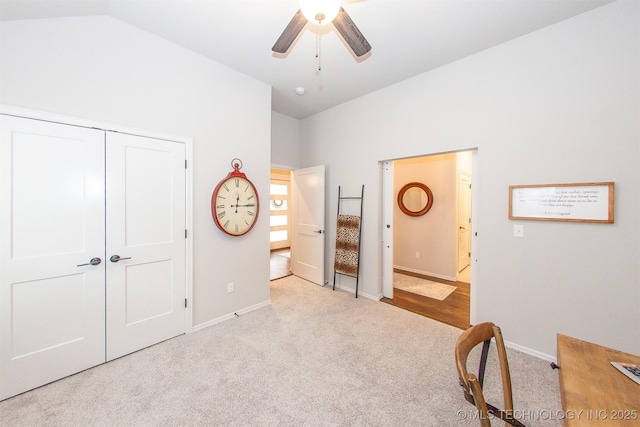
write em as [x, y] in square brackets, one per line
[234, 202]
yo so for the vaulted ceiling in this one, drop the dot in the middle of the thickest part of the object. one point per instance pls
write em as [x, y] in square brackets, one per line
[408, 37]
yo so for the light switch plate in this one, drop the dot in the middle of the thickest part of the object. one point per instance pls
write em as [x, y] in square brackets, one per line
[518, 230]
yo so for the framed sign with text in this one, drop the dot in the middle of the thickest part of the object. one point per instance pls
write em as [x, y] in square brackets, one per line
[583, 202]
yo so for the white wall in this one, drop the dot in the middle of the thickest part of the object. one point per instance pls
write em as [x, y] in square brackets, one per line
[559, 105]
[285, 141]
[102, 69]
[434, 234]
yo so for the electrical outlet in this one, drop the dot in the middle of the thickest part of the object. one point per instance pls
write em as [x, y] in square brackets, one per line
[417, 254]
[231, 287]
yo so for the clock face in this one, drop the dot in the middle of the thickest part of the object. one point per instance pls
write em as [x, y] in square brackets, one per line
[234, 205]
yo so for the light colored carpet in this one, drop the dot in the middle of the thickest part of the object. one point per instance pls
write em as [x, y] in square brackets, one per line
[427, 288]
[314, 357]
[285, 254]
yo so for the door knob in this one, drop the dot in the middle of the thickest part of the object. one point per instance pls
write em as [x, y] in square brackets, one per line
[318, 231]
[116, 258]
[93, 261]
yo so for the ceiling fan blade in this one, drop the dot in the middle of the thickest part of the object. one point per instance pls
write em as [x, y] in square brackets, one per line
[350, 33]
[290, 33]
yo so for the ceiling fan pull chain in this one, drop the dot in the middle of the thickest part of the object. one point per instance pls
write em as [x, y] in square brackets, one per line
[318, 47]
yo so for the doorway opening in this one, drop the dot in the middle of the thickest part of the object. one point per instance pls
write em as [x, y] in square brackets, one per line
[300, 226]
[429, 253]
[280, 223]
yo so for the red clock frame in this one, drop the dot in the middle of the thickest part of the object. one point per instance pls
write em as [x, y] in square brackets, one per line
[235, 173]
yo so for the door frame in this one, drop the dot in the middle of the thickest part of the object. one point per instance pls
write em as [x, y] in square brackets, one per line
[46, 116]
[386, 172]
[387, 201]
[469, 176]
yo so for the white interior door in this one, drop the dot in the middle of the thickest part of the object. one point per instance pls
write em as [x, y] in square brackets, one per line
[307, 245]
[146, 288]
[52, 225]
[464, 220]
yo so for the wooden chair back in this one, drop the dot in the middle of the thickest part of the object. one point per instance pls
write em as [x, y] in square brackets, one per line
[483, 333]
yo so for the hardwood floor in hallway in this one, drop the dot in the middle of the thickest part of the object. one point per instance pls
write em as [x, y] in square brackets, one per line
[454, 310]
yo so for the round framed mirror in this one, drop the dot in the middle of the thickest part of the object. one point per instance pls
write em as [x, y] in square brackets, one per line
[415, 199]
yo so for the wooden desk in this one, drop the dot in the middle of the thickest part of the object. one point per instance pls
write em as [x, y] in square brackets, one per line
[593, 392]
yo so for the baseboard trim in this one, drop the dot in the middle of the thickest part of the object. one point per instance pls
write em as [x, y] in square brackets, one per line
[230, 316]
[531, 352]
[353, 291]
[425, 273]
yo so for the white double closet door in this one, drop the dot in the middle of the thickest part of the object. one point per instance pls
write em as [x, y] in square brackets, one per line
[72, 200]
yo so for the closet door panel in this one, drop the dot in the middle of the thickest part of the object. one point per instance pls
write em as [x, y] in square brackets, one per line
[52, 225]
[146, 221]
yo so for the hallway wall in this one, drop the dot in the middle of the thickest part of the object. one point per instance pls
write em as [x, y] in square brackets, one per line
[431, 236]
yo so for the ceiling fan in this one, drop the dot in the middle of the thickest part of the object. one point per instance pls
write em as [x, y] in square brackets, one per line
[323, 12]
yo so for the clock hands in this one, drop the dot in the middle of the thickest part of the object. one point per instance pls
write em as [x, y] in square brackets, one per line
[238, 205]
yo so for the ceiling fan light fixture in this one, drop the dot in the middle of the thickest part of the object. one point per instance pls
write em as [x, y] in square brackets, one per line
[320, 12]
[323, 12]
